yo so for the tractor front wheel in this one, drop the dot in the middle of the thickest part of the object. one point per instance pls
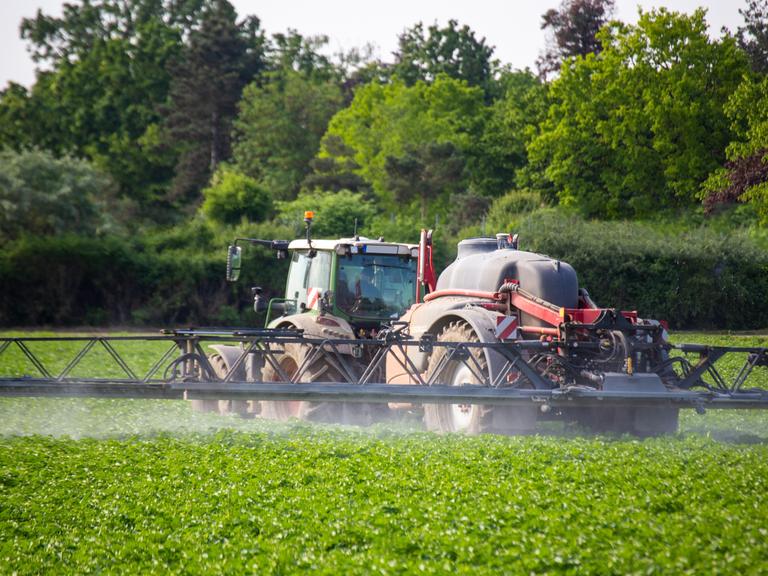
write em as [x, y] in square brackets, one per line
[321, 370]
[220, 371]
[289, 362]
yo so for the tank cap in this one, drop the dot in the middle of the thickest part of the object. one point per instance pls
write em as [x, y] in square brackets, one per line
[506, 241]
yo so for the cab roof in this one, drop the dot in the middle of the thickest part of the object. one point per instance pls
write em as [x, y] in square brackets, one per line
[357, 245]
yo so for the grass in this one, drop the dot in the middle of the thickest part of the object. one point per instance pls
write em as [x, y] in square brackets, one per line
[130, 486]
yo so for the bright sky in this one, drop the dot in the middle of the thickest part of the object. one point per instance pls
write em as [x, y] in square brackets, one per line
[512, 26]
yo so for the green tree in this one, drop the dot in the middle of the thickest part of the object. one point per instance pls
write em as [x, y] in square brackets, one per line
[337, 214]
[83, 27]
[506, 211]
[104, 79]
[360, 66]
[279, 127]
[425, 174]
[389, 121]
[44, 195]
[219, 59]
[232, 196]
[744, 177]
[453, 50]
[513, 121]
[292, 52]
[639, 127]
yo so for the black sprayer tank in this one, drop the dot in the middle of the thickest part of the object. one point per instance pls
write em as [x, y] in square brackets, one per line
[481, 265]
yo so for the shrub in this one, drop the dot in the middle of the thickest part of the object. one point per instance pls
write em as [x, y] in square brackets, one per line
[506, 209]
[41, 194]
[232, 196]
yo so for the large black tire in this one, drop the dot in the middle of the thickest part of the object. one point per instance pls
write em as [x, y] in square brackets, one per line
[320, 371]
[471, 418]
[220, 370]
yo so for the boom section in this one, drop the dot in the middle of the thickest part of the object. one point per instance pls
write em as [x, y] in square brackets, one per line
[525, 371]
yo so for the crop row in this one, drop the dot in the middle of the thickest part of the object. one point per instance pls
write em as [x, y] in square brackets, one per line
[130, 486]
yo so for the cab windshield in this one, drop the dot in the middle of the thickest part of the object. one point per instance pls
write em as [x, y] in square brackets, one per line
[375, 286]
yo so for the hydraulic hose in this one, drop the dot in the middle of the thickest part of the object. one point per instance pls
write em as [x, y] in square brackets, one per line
[509, 287]
[465, 293]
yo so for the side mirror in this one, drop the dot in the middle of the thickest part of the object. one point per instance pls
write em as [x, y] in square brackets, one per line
[234, 259]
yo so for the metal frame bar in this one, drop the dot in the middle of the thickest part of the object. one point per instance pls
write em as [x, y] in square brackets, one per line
[384, 393]
[76, 360]
[32, 358]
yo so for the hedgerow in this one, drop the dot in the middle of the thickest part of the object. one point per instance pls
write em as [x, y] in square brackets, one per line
[79, 280]
[697, 278]
[692, 277]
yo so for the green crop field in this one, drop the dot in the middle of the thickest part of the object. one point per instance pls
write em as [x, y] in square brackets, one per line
[129, 486]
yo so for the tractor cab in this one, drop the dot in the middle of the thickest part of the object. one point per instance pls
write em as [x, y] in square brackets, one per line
[363, 283]
[366, 282]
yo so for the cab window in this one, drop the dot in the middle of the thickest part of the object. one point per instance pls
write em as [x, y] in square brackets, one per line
[320, 271]
[296, 287]
[376, 286]
[306, 272]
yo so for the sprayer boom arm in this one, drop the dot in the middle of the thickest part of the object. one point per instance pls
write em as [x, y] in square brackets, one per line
[182, 371]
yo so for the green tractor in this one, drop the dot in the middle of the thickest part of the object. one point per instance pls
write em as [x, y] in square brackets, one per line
[336, 289]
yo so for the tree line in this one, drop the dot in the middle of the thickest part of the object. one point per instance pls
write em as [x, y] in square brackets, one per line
[158, 130]
[148, 113]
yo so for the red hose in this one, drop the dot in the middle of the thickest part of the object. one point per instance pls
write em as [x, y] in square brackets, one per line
[540, 330]
[467, 293]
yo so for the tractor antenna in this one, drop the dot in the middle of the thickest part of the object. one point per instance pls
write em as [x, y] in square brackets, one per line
[308, 215]
[355, 233]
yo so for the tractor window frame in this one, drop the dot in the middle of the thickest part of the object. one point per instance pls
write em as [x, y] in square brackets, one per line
[305, 272]
[298, 275]
[320, 271]
[377, 305]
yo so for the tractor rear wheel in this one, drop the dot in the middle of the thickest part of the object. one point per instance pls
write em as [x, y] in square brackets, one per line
[470, 418]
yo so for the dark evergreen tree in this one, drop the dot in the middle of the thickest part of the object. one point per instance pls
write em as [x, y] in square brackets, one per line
[336, 169]
[219, 59]
[573, 28]
[294, 52]
[753, 36]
